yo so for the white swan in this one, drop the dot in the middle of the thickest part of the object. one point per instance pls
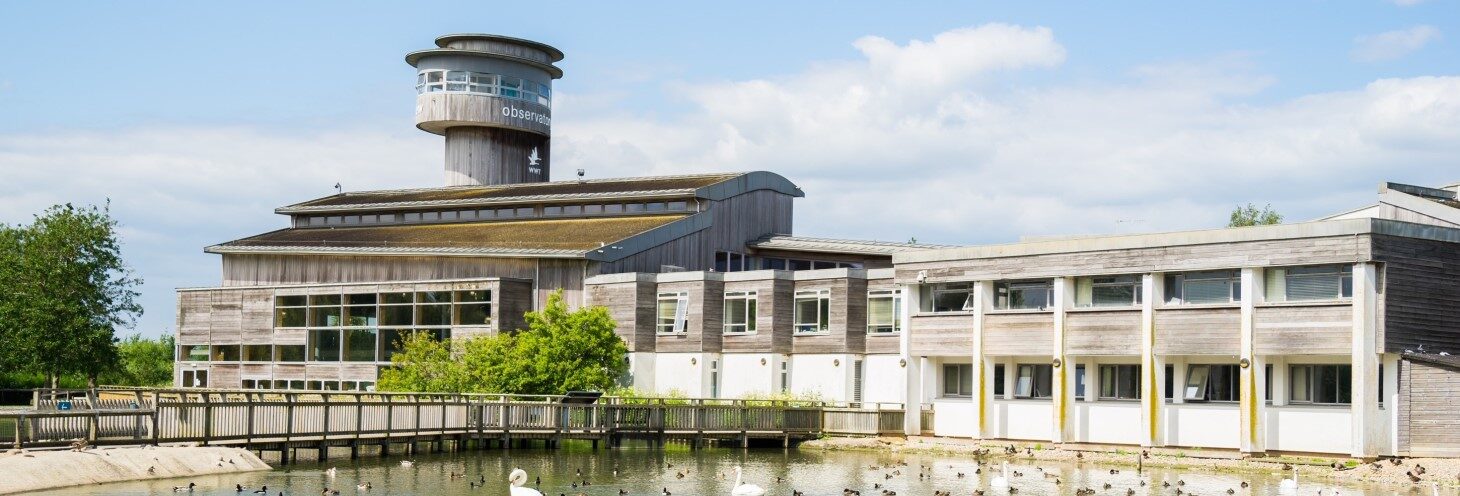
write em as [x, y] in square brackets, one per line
[1289, 486]
[407, 463]
[1001, 482]
[518, 477]
[331, 472]
[742, 489]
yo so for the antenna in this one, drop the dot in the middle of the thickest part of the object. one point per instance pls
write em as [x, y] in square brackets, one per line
[339, 189]
[580, 175]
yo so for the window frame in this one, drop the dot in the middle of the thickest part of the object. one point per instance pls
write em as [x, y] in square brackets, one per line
[750, 301]
[1036, 371]
[1004, 292]
[822, 324]
[895, 295]
[680, 322]
[961, 372]
[932, 292]
[1116, 375]
[1343, 373]
[1096, 283]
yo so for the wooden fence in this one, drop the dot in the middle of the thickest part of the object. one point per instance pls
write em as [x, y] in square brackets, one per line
[261, 419]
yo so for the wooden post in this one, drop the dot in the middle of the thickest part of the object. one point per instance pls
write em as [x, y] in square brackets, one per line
[248, 439]
[207, 419]
[19, 432]
[325, 432]
[288, 418]
[156, 414]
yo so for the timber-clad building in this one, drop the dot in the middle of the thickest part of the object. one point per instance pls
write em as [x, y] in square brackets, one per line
[1328, 336]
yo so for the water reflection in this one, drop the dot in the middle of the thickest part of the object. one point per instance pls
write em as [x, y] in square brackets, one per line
[681, 472]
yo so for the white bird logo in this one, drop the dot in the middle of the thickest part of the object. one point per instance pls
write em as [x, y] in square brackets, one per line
[532, 158]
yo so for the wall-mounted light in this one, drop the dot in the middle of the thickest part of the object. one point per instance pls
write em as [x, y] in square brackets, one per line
[1245, 362]
[836, 362]
[693, 361]
[762, 361]
[1058, 362]
[902, 362]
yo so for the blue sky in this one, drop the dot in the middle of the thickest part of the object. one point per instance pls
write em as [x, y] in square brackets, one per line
[952, 122]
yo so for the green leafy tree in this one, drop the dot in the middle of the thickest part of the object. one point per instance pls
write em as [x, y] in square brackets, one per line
[67, 291]
[560, 351]
[424, 365]
[142, 362]
[1251, 216]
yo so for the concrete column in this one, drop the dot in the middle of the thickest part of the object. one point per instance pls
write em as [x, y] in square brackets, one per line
[1279, 380]
[1151, 368]
[1062, 380]
[1369, 427]
[1011, 376]
[1251, 440]
[1391, 401]
[981, 290]
[1259, 386]
[911, 366]
[1178, 381]
[1092, 379]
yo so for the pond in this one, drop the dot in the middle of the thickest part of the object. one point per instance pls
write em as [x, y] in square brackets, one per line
[649, 472]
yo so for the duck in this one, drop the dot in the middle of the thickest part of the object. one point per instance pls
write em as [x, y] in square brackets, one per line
[184, 489]
[407, 463]
[262, 490]
[517, 478]
[743, 489]
[363, 486]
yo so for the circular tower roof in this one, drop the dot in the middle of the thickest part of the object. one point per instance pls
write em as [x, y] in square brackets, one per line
[539, 55]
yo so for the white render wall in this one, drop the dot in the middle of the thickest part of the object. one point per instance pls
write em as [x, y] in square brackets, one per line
[750, 374]
[686, 374]
[954, 417]
[1316, 429]
[884, 379]
[827, 376]
[1112, 422]
[641, 371]
[1202, 425]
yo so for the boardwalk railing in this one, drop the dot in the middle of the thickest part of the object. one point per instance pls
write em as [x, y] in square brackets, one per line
[258, 418]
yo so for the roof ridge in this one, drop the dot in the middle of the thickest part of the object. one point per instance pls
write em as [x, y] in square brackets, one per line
[496, 187]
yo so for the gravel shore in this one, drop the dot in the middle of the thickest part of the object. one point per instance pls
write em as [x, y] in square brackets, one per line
[1445, 471]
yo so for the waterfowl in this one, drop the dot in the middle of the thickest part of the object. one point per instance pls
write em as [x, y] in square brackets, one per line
[742, 489]
[407, 463]
[1001, 482]
[262, 490]
[184, 489]
[331, 472]
[363, 487]
[517, 478]
[1289, 486]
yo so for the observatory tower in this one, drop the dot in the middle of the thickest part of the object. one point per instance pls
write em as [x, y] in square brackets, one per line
[491, 97]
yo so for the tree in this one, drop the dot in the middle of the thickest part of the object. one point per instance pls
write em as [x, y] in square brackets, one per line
[142, 362]
[67, 290]
[424, 365]
[560, 351]
[1251, 216]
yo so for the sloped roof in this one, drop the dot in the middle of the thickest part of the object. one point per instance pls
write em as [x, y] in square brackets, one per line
[526, 238]
[829, 245]
[712, 186]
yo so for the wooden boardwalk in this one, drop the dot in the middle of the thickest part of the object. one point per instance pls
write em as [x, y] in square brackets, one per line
[290, 420]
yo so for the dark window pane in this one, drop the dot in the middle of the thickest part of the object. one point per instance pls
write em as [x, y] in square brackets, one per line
[433, 315]
[324, 316]
[289, 353]
[360, 345]
[391, 315]
[324, 346]
[289, 301]
[474, 314]
[290, 317]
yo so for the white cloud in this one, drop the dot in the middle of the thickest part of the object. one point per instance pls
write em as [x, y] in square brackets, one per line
[1406, 3]
[884, 148]
[1391, 45]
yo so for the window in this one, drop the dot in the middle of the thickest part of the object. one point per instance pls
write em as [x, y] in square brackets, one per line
[813, 311]
[884, 308]
[324, 345]
[474, 307]
[654, 206]
[360, 310]
[324, 310]
[258, 353]
[773, 264]
[740, 312]
[1199, 288]
[947, 297]
[958, 379]
[785, 376]
[1267, 381]
[714, 378]
[673, 313]
[195, 378]
[1212, 383]
[437, 80]
[289, 311]
[1320, 384]
[359, 345]
[1024, 295]
[1120, 382]
[552, 210]
[799, 264]
[1080, 381]
[227, 353]
[1034, 381]
[1170, 381]
[194, 352]
[729, 261]
[1314, 283]
[592, 209]
[433, 308]
[1108, 291]
[999, 380]
[526, 212]
[289, 353]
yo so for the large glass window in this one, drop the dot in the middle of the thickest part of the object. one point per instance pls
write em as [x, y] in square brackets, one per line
[433, 308]
[958, 379]
[359, 345]
[290, 311]
[1120, 382]
[1108, 291]
[1320, 384]
[360, 310]
[740, 312]
[1024, 295]
[437, 80]
[1313, 283]
[474, 307]
[947, 297]
[194, 352]
[324, 345]
[258, 353]
[1200, 288]
[325, 311]
[289, 353]
[673, 313]
[1212, 383]
[813, 311]
[1034, 381]
[884, 308]
[227, 353]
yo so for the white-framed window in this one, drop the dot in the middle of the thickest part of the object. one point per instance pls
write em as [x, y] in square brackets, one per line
[785, 376]
[1212, 383]
[1034, 381]
[884, 311]
[813, 311]
[672, 314]
[1024, 295]
[1311, 283]
[947, 297]
[1320, 384]
[1208, 287]
[438, 80]
[958, 380]
[1108, 291]
[714, 378]
[1120, 382]
[740, 312]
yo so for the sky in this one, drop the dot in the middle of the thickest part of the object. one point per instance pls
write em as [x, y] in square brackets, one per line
[949, 122]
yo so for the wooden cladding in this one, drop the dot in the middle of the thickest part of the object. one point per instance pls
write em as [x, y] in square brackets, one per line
[941, 334]
[1105, 332]
[1429, 422]
[1303, 330]
[1199, 331]
[1420, 294]
[1022, 333]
